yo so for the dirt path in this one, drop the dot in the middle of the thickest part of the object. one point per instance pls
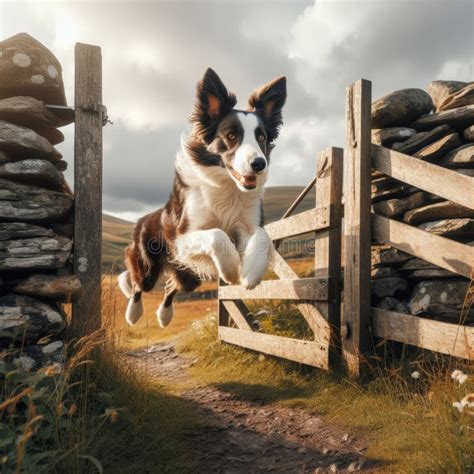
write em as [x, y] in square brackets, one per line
[239, 436]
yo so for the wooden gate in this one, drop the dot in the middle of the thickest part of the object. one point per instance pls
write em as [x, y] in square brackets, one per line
[317, 298]
[359, 321]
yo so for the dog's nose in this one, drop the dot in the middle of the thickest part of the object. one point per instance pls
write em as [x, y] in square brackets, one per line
[258, 164]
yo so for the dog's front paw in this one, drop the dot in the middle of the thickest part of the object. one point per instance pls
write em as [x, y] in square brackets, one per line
[228, 267]
[252, 273]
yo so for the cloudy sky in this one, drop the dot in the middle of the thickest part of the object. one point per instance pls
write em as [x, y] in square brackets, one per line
[155, 52]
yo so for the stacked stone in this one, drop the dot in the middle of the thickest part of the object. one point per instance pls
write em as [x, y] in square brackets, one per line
[36, 205]
[403, 122]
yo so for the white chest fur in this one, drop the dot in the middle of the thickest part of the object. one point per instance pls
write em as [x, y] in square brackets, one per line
[223, 207]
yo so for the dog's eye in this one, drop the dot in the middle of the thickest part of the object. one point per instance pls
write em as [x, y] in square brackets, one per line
[231, 136]
[261, 137]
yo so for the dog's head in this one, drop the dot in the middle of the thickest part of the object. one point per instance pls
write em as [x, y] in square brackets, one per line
[237, 141]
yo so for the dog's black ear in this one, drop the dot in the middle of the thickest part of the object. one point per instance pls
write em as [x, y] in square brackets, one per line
[213, 102]
[267, 101]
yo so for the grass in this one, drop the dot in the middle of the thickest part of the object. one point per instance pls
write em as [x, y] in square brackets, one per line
[410, 424]
[101, 414]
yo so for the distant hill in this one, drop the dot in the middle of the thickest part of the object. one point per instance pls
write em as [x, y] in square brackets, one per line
[116, 232]
[116, 235]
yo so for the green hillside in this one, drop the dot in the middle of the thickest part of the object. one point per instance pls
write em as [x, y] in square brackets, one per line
[117, 232]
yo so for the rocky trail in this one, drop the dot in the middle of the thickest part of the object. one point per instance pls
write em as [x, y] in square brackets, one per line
[241, 436]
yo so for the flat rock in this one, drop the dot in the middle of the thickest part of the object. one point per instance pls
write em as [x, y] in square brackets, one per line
[439, 90]
[383, 183]
[37, 356]
[395, 207]
[28, 68]
[38, 172]
[459, 118]
[64, 288]
[459, 228]
[400, 108]
[20, 230]
[390, 303]
[32, 204]
[37, 253]
[387, 286]
[398, 191]
[60, 165]
[469, 134]
[32, 113]
[430, 274]
[22, 142]
[460, 157]
[464, 96]
[381, 256]
[53, 135]
[383, 272]
[439, 148]
[436, 211]
[421, 139]
[25, 319]
[438, 296]
[388, 136]
[416, 263]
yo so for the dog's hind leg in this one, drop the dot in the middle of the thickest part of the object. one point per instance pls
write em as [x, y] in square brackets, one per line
[165, 312]
[124, 284]
[134, 309]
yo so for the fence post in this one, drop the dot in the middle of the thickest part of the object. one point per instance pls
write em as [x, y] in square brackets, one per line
[355, 321]
[86, 316]
[327, 245]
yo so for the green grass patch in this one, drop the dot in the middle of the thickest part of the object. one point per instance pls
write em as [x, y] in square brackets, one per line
[409, 424]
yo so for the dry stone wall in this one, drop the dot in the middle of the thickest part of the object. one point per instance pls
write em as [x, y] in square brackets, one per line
[36, 206]
[436, 125]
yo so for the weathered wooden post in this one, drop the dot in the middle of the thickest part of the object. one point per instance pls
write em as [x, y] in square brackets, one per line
[88, 187]
[355, 321]
[327, 244]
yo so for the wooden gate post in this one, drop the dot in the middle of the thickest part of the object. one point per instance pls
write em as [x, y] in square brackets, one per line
[355, 321]
[327, 244]
[86, 316]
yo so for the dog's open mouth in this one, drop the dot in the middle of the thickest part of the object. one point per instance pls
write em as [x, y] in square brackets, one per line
[248, 182]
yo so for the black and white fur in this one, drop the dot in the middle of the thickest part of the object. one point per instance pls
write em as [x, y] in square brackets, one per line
[212, 224]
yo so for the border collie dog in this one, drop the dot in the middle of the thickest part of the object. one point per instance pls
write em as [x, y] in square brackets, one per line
[212, 223]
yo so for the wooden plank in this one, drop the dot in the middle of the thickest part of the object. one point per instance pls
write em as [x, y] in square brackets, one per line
[298, 289]
[302, 223]
[452, 339]
[238, 312]
[449, 254]
[86, 316]
[435, 179]
[355, 319]
[327, 244]
[305, 352]
[310, 311]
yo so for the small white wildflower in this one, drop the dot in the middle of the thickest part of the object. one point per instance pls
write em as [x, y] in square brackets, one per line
[456, 374]
[415, 374]
[462, 379]
[468, 401]
[459, 406]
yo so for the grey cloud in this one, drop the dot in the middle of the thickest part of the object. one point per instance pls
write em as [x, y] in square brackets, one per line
[155, 52]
